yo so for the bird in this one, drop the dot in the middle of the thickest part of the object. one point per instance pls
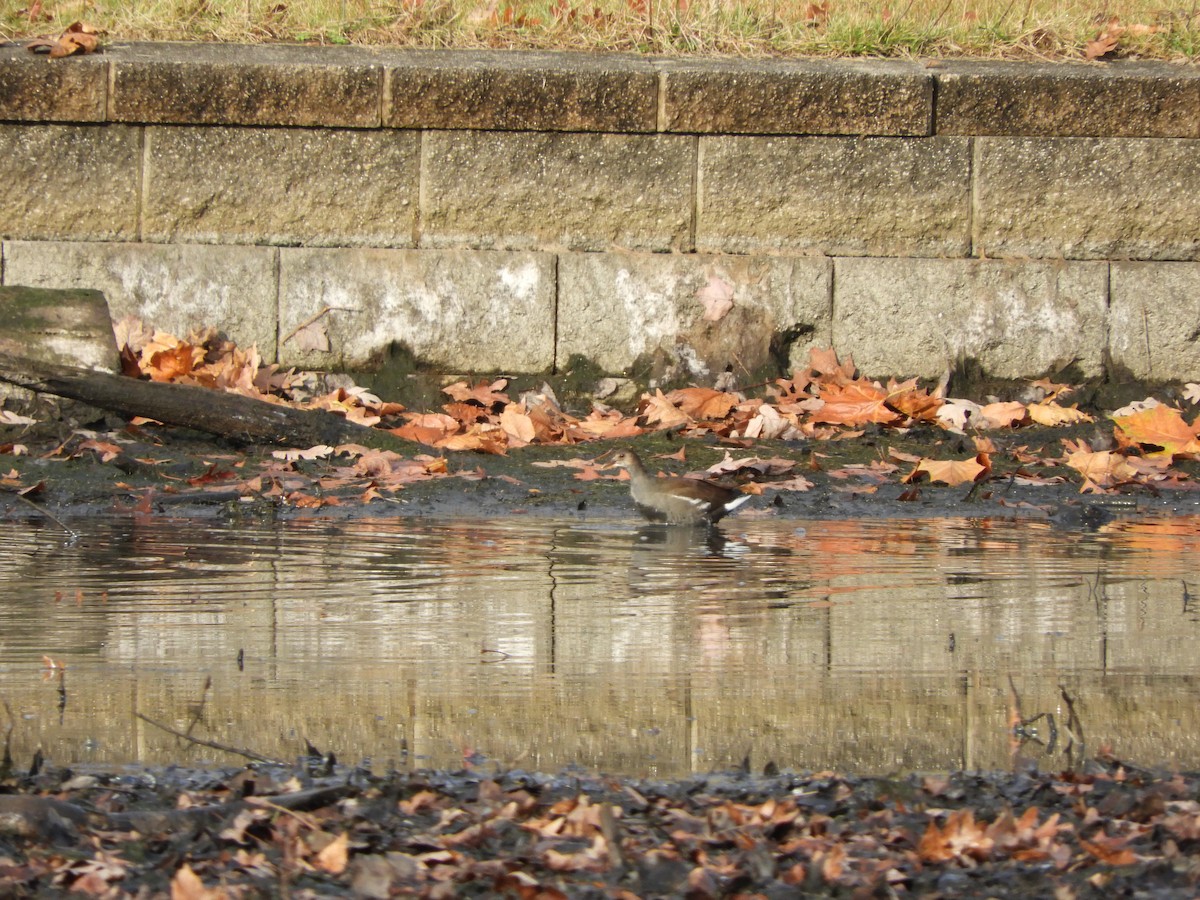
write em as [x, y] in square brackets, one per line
[676, 501]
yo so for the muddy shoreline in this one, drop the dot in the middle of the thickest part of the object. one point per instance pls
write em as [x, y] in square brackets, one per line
[180, 474]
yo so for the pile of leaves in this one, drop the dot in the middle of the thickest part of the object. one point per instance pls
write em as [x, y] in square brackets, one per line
[1146, 445]
[308, 832]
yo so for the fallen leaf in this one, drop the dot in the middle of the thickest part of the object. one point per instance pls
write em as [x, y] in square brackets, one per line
[1001, 415]
[1053, 414]
[1161, 427]
[703, 403]
[517, 424]
[952, 472]
[1103, 469]
[335, 855]
[186, 885]
[659, 411]
[1101, 46]
[313, 336]
[958, 415]
[321, 451]
[716, 297]
[854, 404]
[485, 394]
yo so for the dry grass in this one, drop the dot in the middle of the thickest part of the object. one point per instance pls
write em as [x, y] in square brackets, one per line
[914, 28]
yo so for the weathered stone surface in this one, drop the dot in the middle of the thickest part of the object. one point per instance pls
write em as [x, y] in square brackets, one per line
[838, 196]
[69, 327]
[69, 181]
[319, 187]
[172, 287]
[464, 310]
[1087, 198]
[523, 190]
[622, 309]
[798, 97]
[521, 91]
[1154, 319]
[1116, 99]
[35, 88]
[221, 84]
[1017, 319]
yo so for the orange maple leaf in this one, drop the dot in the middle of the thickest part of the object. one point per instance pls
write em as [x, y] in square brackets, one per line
[481, 437]
[960, 838]
[426, 428]
[854, 404]
[517, 425]
[825, 363]
[1001, 415]
[486, 395]
[1160, 426]
[610, 424]
[703, 403]
[953, 471]
[914, 402]
[1101, 469]
[1110, 850]
[172, 363]
[660, 411]
[1053, 414]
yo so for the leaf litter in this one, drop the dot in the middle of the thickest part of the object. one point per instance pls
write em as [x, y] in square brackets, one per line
[1147, 445]
[319, 829]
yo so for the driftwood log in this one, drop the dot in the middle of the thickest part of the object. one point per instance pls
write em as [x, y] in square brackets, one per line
[233, 416]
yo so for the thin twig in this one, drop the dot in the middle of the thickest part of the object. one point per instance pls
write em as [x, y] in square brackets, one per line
[1025, 15]
[45, 512]
[887, 32]
[938, 17]
[225, 748]
[295, 331]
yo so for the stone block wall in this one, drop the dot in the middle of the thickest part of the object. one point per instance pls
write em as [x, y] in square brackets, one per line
[505, 211]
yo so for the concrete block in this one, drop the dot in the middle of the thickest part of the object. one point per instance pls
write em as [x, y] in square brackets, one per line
[739, 96]
[1087, 198]
[1116, 99]
[69, 181]
[1154, 319]
[223, 84]
[172, 287]
[837, 196]
[1018, 319]
[70, 327]
[622, 309]
[525, 190]
[503, 90]
[317, 187]
[463, 310]
[35, 88]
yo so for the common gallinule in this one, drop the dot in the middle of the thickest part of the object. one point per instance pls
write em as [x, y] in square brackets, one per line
[676, 501]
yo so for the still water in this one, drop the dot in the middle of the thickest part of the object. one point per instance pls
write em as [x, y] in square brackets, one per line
[868, 646]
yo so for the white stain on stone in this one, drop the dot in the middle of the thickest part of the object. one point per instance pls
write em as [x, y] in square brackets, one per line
[522, 281]
[650, 315]
[1039, 322]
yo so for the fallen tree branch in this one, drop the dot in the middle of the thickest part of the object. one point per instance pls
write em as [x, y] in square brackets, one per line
[234, 416]
[225, 748]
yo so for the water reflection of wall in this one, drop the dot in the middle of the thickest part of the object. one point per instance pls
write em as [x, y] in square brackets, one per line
[870, 646]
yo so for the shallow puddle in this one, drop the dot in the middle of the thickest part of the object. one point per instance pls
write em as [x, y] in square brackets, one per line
[869, 646]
